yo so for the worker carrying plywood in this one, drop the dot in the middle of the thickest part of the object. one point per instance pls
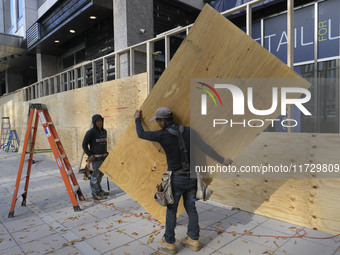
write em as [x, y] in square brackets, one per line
[96, 138]
[182, 184]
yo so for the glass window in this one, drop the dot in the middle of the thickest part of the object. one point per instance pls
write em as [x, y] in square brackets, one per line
[328, 29]
[20, 20]
[12, 12]
[328, 95]
[324, 104]
[308, 123]
[8, 16]
[19, 9]
[68, 61]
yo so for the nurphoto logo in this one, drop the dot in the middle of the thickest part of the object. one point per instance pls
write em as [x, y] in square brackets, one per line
[239, 98]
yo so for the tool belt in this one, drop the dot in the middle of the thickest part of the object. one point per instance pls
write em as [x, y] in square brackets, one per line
[182, 172]
[100, 155]
[163, 195]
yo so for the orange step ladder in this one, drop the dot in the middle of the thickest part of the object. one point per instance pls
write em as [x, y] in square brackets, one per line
[40, 111]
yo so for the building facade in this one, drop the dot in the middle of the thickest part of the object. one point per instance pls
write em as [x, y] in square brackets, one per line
[41, 39]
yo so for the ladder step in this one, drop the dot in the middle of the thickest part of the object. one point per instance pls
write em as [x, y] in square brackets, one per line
[50, 123]
[40, 151]
[75, 188]
[63, 156]
[21, 194]
[24, 177]
[69, 172]
[57, 140]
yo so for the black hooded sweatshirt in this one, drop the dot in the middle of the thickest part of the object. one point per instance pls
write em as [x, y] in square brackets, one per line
[95, 138]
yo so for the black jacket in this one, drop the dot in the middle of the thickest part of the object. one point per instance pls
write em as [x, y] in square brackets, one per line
[170, 144]
[95, 138]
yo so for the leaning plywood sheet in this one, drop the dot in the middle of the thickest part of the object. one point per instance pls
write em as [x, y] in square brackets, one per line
[214, 48]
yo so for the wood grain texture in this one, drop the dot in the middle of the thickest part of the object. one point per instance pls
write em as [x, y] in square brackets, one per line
[71, 111]
[11, 106]
[214, 48]
[308, 202]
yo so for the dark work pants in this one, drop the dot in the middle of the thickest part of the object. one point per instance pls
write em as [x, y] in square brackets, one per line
[186, 186]
[96, 177]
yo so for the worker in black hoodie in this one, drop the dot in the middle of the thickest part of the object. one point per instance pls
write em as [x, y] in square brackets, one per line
[96, 137]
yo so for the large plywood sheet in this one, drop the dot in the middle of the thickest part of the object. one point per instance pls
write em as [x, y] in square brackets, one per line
[309, 202]
[214, 48]
[71, 111]
[11, 106]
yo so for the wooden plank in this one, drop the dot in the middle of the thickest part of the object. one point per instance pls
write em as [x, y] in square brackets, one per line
[114, 100]
[308, 202]
[213, 48]
[71, 111]
[295, 150]
[312, 203]
[11, 106]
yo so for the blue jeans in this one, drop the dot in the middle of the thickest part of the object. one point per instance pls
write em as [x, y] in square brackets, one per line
[186, 186]
[96, 177]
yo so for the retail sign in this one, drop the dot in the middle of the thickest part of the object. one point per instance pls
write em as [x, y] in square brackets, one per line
[328, 33]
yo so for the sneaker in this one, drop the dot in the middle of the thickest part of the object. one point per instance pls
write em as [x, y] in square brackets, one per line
[98, 196]
[104, 193]
[168, 247]
[194, 245]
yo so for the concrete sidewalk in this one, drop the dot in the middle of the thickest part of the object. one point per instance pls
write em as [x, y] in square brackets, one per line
[119, 225]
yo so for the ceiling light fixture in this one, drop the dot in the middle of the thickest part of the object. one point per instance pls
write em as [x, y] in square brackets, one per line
[57, 41]
[72, 31]
[93, 17]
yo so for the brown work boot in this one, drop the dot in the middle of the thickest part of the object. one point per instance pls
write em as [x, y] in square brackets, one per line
[104, 193]
[98, 196]
[168, 247]
[194, 245]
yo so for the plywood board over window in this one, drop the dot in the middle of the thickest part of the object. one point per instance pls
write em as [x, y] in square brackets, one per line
[71, 111]
[214, 48]
[310, 202]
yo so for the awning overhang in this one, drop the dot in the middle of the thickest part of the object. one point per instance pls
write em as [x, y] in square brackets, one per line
[11, 46]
